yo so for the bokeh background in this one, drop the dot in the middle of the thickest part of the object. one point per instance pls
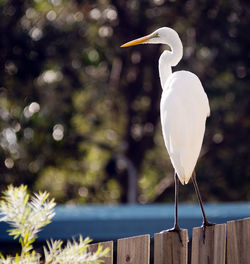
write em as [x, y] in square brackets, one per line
[79, 116]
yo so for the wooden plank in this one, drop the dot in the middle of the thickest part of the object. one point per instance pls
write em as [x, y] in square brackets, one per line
[133, 250]
[238, 241]
[108, 244]
[169, 250]
[212, 250]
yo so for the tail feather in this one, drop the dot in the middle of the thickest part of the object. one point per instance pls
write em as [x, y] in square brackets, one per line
[184, 179]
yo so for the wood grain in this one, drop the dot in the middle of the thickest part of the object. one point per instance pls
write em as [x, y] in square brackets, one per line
[108, 244]
[133, 250]
[212, 250]
[238, 241]
[169, 250]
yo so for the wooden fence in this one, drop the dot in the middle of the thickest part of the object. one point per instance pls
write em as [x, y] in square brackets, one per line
[224, 243]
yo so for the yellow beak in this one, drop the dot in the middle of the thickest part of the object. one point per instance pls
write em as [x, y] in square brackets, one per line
[137, 41]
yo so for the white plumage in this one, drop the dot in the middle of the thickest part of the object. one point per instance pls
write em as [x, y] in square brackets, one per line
[184, 104]
[184, 109]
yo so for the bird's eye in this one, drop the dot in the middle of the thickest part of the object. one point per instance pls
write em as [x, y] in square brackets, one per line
[156, 35]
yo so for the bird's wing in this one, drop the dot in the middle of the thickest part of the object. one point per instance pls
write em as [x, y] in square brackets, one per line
[184, 108]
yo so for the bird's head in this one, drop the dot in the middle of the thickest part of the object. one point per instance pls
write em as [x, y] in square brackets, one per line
[164, 35]
[159, 36]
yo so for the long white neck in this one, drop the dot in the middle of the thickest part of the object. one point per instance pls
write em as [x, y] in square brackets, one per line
[170, 58]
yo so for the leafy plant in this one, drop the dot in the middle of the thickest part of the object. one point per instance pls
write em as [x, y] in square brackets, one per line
[27, 215]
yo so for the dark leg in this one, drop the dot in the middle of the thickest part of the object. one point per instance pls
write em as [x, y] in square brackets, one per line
[176, 227]
[205, 222]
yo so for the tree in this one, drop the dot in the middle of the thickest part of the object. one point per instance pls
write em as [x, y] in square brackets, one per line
[80, 112]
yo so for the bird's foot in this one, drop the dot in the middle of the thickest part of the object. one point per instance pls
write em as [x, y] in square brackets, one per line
[176, 229]
[204, 225]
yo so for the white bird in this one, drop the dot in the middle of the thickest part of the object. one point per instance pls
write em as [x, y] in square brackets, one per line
[184, 108]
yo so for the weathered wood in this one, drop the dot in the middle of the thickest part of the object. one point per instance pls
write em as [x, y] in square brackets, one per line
[108, 244]
[133, 250]
[169, 250]
[212, 250]
[238, 241]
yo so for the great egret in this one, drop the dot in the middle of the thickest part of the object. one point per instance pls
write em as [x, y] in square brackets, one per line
[184, 108]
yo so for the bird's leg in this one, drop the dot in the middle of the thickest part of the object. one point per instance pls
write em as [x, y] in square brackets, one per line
[205, 222]
[176, 227]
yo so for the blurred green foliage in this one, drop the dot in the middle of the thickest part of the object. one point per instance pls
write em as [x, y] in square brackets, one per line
[79, 116]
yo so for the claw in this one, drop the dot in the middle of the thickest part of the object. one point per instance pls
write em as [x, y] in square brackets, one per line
[176, 229]
[204, 225]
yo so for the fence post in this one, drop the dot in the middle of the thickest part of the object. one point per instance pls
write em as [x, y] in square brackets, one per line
[133, 250]
[212, 250]
[169, 250]
[238, 241]
[109, 244]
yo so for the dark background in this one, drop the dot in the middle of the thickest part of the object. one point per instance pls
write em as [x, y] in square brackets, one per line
[79, 116]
